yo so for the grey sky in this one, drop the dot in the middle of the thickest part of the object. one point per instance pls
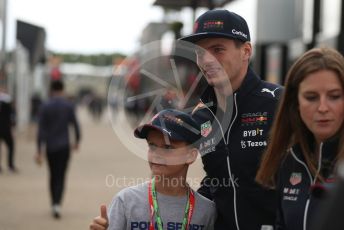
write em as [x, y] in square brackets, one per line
[86, 26]
[90, 26]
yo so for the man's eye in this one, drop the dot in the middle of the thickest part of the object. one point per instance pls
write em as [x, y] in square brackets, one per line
[217, 50]
[151, 147]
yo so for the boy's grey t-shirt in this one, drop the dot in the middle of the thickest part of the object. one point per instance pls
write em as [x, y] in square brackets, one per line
[130, 210]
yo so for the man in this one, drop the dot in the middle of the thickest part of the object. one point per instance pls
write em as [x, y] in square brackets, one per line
[231, 150]
[7, 122]
[54, 119]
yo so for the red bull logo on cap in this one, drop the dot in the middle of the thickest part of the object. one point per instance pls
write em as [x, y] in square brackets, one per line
[213, 25]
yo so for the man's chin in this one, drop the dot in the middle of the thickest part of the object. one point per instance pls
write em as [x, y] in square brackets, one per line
[218, 83]
[211, 81]
[212, 84]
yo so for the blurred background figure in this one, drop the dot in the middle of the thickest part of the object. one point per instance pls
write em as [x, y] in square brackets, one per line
[56, 115]
[7, 122]
[330, 213]
[36, 102]
[96, 106]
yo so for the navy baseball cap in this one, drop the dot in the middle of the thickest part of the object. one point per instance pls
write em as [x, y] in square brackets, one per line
[176, 125]
[219, 23]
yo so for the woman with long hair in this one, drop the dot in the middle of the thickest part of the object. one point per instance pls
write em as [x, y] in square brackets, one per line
[307, 138]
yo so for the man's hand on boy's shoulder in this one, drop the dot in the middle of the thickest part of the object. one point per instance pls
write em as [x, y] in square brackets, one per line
[100, 222]
[201, 113]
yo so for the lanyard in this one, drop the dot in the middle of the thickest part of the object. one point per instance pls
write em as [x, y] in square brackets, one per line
[154, 207]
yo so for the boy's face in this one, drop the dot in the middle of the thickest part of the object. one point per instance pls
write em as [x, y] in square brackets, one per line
[168, 157]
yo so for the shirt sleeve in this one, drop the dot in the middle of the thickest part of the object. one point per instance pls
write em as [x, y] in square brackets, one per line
[117, 217]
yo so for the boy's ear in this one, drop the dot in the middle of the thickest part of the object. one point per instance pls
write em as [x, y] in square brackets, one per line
[192, 155]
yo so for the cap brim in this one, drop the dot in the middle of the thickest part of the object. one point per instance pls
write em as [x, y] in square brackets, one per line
[142, 132]
[197, 37]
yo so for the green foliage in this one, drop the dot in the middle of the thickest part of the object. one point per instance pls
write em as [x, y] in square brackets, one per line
[94, 59]
[176, 27]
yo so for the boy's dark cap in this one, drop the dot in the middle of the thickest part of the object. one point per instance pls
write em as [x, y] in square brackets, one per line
[175, 124]
[217, 24]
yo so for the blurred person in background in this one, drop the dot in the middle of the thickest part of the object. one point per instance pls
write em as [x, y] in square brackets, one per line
[307, 137]
[55, 117]
[7, 122]
[36, 102]
[330, 212]
[96, 106]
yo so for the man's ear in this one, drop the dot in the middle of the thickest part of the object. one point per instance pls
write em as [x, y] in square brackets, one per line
[192, 155]
[247, 50]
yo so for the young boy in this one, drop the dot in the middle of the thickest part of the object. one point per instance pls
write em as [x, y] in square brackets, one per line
[165, 202]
